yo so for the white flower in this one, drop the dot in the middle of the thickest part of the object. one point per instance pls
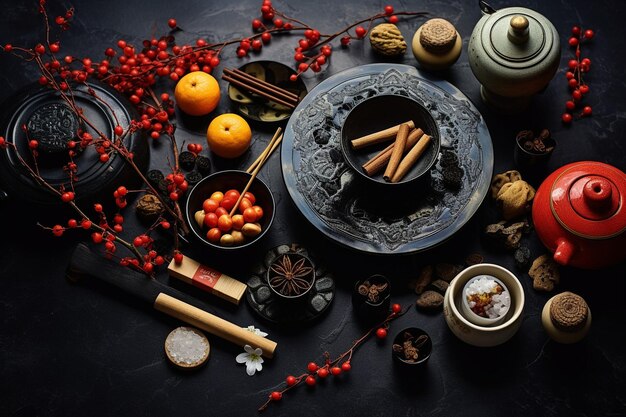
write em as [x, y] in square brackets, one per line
[252, 358]
[256, 331]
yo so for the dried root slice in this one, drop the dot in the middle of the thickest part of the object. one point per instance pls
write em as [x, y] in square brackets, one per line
[267, 114]
[239, 96]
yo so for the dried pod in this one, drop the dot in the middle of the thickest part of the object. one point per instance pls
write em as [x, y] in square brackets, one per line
[430, 301]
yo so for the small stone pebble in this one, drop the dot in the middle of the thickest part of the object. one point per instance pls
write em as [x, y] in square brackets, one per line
[430, 301]
[425, 277]
[473, 259]
[446, 271]
[522, 258]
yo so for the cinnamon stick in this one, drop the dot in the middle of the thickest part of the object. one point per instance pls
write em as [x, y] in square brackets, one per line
[409, 160]
[378, 162]
[249, 81]
[397, 152]
[261, 93]
[244, 76]
[379, 137]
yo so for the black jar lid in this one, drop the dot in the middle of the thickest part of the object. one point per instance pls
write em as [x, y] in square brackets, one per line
[50, 119]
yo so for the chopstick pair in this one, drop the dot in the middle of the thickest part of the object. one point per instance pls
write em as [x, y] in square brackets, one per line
[260, 87]
[258, 164]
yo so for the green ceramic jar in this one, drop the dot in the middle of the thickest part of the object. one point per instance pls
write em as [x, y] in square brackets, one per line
[514, 53]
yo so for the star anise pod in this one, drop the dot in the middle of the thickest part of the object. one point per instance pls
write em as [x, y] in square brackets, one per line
[288, 277]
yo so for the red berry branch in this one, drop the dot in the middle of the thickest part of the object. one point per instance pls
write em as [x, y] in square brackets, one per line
[576, 69]
[315, 48]
[334, 367]
[134, 72]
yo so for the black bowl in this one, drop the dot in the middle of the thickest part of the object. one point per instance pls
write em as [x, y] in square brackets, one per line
[224, 181]
[379, 113]
[424, 351]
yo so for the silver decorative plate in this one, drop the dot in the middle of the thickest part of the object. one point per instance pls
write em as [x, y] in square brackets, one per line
[333, 199]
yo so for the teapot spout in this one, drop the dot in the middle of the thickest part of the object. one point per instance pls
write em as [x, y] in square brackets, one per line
[564, 251]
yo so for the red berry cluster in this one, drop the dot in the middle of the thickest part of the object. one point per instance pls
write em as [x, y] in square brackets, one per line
[576, 69]
[177, 185]
[135, 71]
[334, 367]
[194, 148]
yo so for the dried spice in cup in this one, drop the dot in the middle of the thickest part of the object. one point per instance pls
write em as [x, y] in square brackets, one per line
[372, 291]
[411, 348]
[291, 274]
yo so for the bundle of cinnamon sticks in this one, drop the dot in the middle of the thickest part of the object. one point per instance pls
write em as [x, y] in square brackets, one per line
[398, 158]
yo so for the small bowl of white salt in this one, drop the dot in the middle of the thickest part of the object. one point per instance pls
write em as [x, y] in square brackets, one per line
[486, 300]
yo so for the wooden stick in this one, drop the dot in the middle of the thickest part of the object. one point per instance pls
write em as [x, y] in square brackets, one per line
[213, 324]
[254, 164]
[265, 154]
[409, 160]
[236, 73]
[397, 152]
[378, 162]
[259, 92]
[378, 137]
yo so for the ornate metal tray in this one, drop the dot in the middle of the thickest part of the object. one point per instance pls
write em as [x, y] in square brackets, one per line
[335, 202]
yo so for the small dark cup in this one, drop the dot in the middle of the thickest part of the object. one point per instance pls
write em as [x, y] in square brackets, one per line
[290, 276]
[368, 306]
[424, 351]
[533, 164]
[376, 114]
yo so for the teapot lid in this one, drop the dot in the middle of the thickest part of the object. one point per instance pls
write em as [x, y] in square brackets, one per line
[588, 200]
[517, 37]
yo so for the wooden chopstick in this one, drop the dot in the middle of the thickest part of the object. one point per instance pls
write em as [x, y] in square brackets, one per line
[262, 158]
[262, 84]
[262, 93]
[255, 163]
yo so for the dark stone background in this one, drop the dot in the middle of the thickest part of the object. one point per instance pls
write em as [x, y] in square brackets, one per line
[88, 349]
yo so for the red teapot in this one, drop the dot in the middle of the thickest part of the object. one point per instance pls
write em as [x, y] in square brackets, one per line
[579, 213]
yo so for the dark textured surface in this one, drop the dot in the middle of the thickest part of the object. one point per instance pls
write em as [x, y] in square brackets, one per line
[87, 349]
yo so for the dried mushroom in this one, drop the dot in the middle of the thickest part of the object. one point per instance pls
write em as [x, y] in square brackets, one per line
[515, 198]
[545, 273]
[504, 178]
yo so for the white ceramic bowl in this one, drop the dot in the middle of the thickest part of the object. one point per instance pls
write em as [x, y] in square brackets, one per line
[474, 334]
